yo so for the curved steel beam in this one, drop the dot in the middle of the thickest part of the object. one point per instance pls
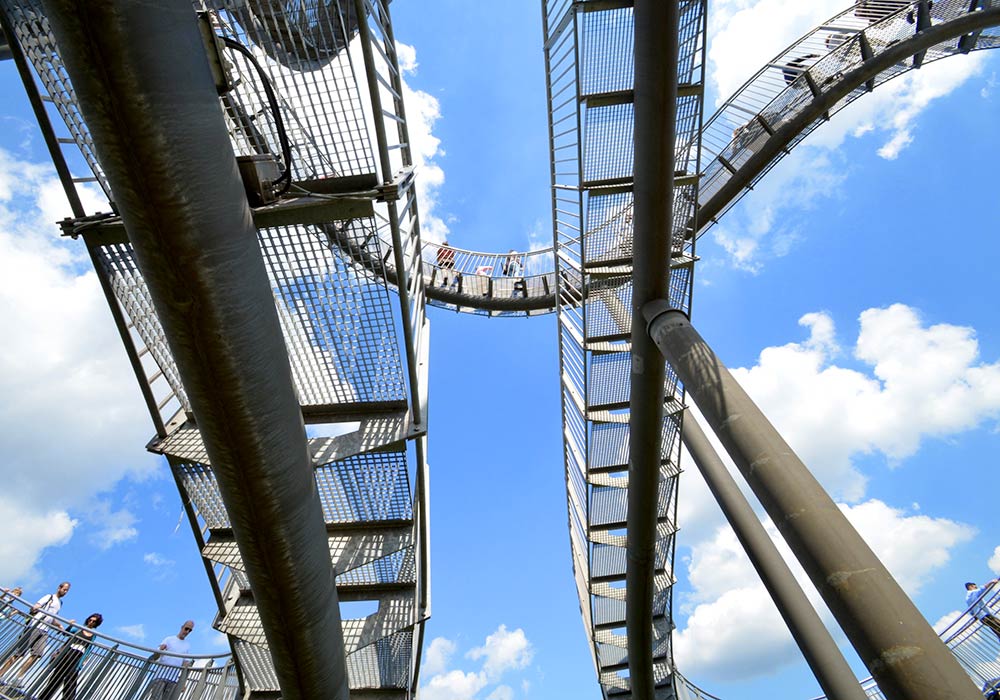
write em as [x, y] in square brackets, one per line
[776, 145]
[144, 86]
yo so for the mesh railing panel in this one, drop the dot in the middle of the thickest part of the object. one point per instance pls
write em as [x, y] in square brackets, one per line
[781, 89]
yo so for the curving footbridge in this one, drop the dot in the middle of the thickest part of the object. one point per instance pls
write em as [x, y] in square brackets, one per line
[257, 158]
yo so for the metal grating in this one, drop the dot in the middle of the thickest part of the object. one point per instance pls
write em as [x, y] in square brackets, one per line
[337, 322]
[365, 488]
[592, 198]
[301, 52]
[133, 297]
[32, 30]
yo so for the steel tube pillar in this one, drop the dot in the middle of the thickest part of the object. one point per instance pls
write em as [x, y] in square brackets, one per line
[817, 646]
[656, 50]
[144, 86]
[903, 653]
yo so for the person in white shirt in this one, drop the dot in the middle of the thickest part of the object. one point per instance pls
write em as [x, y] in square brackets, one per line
[162, 687]
[33, 638]
[976, 600]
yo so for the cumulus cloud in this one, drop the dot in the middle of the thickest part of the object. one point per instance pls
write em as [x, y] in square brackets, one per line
[422, 112]
[62, 371]
[746, 35]
[453, 685]
[733, 630]
[501, 653]
[437, 656]
[112, 526]
[882, 411]
[27, 532]
[502, 692]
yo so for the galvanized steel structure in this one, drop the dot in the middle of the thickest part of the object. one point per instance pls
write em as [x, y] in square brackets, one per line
[319, 89]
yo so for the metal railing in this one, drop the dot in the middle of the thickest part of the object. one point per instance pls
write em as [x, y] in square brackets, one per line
[110, 668]
[821, 63]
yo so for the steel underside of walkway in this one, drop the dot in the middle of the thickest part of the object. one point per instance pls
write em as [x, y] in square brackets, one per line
[357, 351]
[336, 255]
[588, 50]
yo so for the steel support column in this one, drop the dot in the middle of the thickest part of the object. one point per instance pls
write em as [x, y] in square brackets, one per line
[146, 92]
[817, 646]
[893, 639]
[656, 50]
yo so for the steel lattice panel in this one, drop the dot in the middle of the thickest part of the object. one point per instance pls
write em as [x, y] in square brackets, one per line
[608, 53]
[129, 287]
[610, 236]
[337, 321]
[608, 142]
[365, 488]
[317, 91]
[594, 339]
[34, 34]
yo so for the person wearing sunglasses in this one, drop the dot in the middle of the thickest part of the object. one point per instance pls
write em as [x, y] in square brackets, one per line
[66, 664]
[162, 687]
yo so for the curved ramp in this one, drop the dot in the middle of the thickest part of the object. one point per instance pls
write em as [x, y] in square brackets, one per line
[843, 59]
[797, 91]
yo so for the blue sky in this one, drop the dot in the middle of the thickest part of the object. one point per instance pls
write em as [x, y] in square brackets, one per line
[851, 293]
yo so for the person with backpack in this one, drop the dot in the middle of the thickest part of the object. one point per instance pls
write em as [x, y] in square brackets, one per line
[33, 638]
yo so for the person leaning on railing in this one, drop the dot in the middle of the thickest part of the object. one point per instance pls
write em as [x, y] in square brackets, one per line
[65, 665]
[162, 688]
[974, 600]
[33, 638]
[446, 262]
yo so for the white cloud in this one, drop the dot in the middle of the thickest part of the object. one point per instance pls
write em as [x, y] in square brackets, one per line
[407, 56]
[136, 632]
[62, 370]
[113, 526]
[28, 531]
[946, 620]
[422, 112]
[502, 692]
[885, 411]
[734, 631]
[877, 409]
[994, 562]
[156, 559]
[437, 656]
[503, 651]
[911, 546]
[744, 35]
[453, 685]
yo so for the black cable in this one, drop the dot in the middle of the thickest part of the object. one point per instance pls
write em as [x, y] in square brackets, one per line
[279, 123]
